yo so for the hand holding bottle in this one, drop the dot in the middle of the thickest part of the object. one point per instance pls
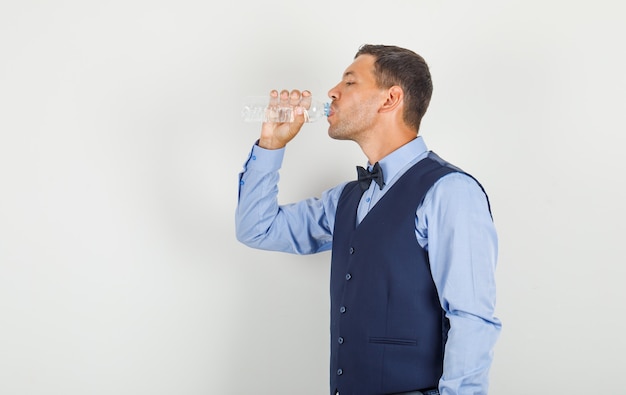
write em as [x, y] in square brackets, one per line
[259, 109]
[279, 128]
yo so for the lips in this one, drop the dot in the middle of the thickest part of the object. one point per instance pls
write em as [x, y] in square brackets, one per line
[331, 111]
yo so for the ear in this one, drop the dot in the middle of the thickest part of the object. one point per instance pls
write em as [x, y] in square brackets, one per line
[394, 99]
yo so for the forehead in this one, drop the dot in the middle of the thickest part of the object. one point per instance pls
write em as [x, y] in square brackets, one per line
[362, 66]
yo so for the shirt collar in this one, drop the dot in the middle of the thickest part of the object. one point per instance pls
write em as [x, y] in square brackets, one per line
[398, 160]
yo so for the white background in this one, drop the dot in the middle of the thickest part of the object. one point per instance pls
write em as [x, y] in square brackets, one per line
[120, 145]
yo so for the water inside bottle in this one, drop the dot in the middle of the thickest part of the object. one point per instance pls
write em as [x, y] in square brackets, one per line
[257, 109]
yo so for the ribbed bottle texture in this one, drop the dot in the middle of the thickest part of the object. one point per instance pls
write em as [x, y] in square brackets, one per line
[259, 109]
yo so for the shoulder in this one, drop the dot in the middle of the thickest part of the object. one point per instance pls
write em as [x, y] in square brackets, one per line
[457, 191]
[456, 179]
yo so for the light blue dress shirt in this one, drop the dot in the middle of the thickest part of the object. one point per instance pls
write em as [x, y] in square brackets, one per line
[453, 224]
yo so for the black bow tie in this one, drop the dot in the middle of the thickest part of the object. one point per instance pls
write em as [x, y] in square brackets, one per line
[366, 177]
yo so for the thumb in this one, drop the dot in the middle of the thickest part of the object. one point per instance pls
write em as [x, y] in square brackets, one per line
[299, 118]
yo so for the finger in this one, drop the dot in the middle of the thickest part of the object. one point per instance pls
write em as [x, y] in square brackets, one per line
[273, 98]
[294, 98]
[284, 98]
[298, 120]
[306, 99]
[271, 112]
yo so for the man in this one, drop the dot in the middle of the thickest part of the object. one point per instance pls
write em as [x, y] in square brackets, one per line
[413, 253]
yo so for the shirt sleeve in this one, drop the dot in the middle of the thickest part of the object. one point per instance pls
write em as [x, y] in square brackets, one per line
[454, 225]
[304, 227]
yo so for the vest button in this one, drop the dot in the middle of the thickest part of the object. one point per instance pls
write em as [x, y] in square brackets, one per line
[339, 372]
[351, 250]
[348, 276]
[340, 340]
[342, 309]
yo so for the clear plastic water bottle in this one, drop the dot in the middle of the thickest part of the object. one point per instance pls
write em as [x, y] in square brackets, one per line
[258, 109]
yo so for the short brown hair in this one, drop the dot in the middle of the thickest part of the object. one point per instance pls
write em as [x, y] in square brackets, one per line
[404, 68]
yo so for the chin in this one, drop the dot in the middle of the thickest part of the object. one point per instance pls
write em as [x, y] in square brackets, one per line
[332, 132]
[337, 136]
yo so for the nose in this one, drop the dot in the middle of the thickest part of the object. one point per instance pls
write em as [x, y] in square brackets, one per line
[333, 93]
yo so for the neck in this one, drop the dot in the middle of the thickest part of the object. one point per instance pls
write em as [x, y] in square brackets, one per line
[380, 145]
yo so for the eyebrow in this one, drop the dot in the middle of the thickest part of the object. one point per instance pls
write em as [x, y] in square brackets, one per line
[348, 73]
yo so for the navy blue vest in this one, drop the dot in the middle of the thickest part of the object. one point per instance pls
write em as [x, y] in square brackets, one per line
[388, 330]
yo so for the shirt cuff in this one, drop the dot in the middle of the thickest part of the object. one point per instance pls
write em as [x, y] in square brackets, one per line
[266, 160]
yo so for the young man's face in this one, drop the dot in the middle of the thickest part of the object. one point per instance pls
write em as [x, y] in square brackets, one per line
[356, 100]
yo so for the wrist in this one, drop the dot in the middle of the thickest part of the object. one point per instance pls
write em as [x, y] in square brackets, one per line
[270, 144]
